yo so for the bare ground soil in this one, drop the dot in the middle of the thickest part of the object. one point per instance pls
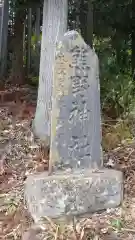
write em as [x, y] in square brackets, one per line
[21, 154]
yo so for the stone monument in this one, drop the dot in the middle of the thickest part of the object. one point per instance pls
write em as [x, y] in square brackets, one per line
[77, 183]
[76, 135]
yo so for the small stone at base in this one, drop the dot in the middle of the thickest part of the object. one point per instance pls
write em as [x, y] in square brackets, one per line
[74, 193]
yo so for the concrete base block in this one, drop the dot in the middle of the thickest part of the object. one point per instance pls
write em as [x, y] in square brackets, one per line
[74, 193]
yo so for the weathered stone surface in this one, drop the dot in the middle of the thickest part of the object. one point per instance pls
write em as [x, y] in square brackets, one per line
[73, 193]
[74, 188]
[75, 131]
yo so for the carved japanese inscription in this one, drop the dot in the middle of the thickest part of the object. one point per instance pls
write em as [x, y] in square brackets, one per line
[75, 124]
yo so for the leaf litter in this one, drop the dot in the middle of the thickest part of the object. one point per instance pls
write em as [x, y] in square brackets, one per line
[21, 154]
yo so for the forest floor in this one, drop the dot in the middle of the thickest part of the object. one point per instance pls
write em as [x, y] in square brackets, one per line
[21, 154]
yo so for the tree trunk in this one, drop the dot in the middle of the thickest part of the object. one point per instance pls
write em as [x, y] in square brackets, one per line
[86, 21]
[24, 45]
[89, 33]
[133, 54]
[83, 18]
[54, 26]
[37, 43]
[4, 15]
[17, 71]
[37, 23]
[133, 39]
[29, 41]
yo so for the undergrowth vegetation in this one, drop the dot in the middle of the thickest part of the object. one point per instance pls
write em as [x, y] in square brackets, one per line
[117, 84]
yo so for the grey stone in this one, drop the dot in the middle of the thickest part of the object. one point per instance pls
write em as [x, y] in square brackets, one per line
[75, 124]
[73, 188]
[72, 193]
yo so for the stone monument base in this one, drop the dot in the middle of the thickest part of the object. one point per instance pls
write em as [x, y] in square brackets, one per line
[73, 193]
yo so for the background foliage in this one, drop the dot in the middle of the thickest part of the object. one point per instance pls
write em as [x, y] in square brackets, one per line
[110, 27]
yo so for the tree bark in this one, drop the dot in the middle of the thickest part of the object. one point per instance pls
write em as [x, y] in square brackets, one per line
[37, 45]
[86, 21]
[37, 23]
[133, 39]
[83, 18]
[4, 16]
[89, 33]
[54, 26]
[29, 40]
[17, 71]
